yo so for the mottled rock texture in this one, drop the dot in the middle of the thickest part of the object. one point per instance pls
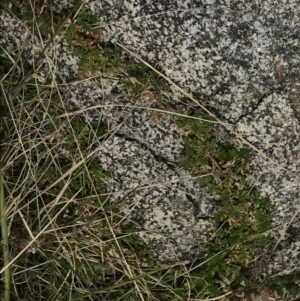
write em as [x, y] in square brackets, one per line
[239, 58]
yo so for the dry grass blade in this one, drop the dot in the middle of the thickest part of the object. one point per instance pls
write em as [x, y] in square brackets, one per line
[42, 231]
[136, 107]
[129, 281]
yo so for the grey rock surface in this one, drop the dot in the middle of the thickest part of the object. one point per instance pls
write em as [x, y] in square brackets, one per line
[173, 211]
[242, 60]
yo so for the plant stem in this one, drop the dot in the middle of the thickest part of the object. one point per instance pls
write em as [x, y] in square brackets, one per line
[4, 242]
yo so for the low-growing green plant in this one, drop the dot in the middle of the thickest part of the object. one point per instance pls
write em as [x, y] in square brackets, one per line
[245, 216]
[85, 41]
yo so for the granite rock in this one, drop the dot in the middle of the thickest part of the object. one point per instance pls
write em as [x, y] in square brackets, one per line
[241, 60]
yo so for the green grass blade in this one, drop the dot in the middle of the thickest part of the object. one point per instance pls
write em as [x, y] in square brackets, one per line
[4, 242]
